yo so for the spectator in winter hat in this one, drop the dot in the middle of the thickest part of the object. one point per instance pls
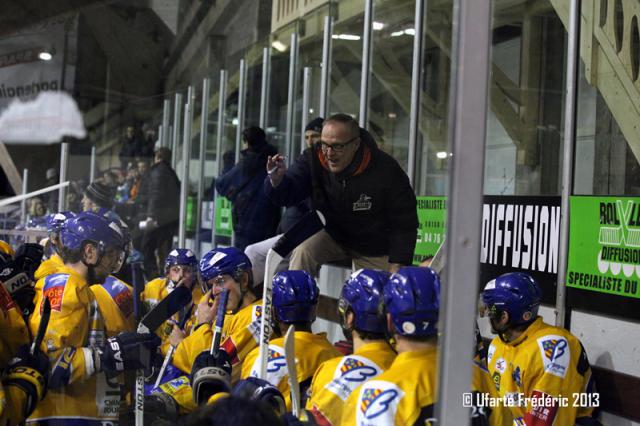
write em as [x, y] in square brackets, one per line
[98, 195]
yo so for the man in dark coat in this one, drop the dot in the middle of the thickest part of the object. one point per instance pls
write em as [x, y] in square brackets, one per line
[365, 196]
[160, 195]
[254, 216]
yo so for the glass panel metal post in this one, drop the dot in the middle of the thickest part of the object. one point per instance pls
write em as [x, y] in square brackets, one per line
[468, 117]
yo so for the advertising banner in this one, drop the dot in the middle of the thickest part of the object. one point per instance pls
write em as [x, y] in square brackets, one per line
[521, 234]
[38, 58]
[432, 215]
[604, 241]
[224, 227]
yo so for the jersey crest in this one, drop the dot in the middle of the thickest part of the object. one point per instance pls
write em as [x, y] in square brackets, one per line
[54, 286]
[555, 354]
[350, 373]
[378, 403]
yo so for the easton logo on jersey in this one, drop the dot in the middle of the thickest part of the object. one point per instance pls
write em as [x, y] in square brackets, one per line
[555, 354]
[54, 289]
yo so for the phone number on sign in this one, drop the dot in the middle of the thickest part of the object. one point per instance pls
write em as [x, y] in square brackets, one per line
[520, 400]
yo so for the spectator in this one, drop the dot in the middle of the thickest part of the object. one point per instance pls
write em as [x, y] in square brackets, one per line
[160, 196]
[52, 197]
[98, 196]
[365, 196]
[134, 146]
[255, 217]
[257, 252]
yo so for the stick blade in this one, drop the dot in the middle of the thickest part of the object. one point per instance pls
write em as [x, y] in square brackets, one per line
[42, 327]
[164, 310]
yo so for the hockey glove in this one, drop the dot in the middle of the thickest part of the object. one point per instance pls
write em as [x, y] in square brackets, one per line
[29, 373]
[18, 284]
[28, 257]
[210, 375]
[160, 407]
[260, 390]
[128, 351]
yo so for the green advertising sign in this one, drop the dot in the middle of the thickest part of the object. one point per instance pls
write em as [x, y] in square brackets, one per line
[223, 226]
[604, 245]
[432, 215]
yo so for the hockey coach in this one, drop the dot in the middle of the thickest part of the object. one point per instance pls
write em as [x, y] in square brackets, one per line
[365, 196]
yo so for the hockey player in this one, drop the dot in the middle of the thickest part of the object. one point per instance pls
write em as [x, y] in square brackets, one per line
[181, 268]
[405, 393]
[93, 247]
[363, 321]
[225, 268]
[54, 261]
[533, 359]
[24, 376]
[295, 297]
[221, 268]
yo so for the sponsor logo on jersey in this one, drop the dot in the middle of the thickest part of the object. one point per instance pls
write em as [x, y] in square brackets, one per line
[555, 354]
[495, 377]
[351, 373]
[254, 325]
[172, 386]
[363, 203]
[120, 294]
[501, 365]
[54, 286]
[379, 402]
[516, 376]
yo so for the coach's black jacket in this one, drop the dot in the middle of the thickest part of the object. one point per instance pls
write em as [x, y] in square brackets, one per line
[370, 206]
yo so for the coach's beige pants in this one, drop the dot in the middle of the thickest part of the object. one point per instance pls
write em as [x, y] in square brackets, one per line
[320, 248]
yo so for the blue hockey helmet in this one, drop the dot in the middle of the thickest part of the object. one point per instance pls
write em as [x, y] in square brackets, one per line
[224, 260]
[362, 293]
[295, 294]
[181, 256]
[516, 293]
[89, 226]
[55, 221]
[412, 297]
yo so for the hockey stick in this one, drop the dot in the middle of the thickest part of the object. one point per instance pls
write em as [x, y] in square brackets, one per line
[42, 327]
[217, 330]
[290, 357]
[310, 224]
[164, 310]
[172, 349]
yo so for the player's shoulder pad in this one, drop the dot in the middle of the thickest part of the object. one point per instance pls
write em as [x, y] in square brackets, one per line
[378, 402]
[555, 353]
[121, 293]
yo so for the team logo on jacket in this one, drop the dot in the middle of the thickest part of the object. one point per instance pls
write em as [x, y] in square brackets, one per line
[351, 373]
[555, 354]
[276, 366]
[363, 203]
[501, 365]
[54, 289]
[378, 403]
